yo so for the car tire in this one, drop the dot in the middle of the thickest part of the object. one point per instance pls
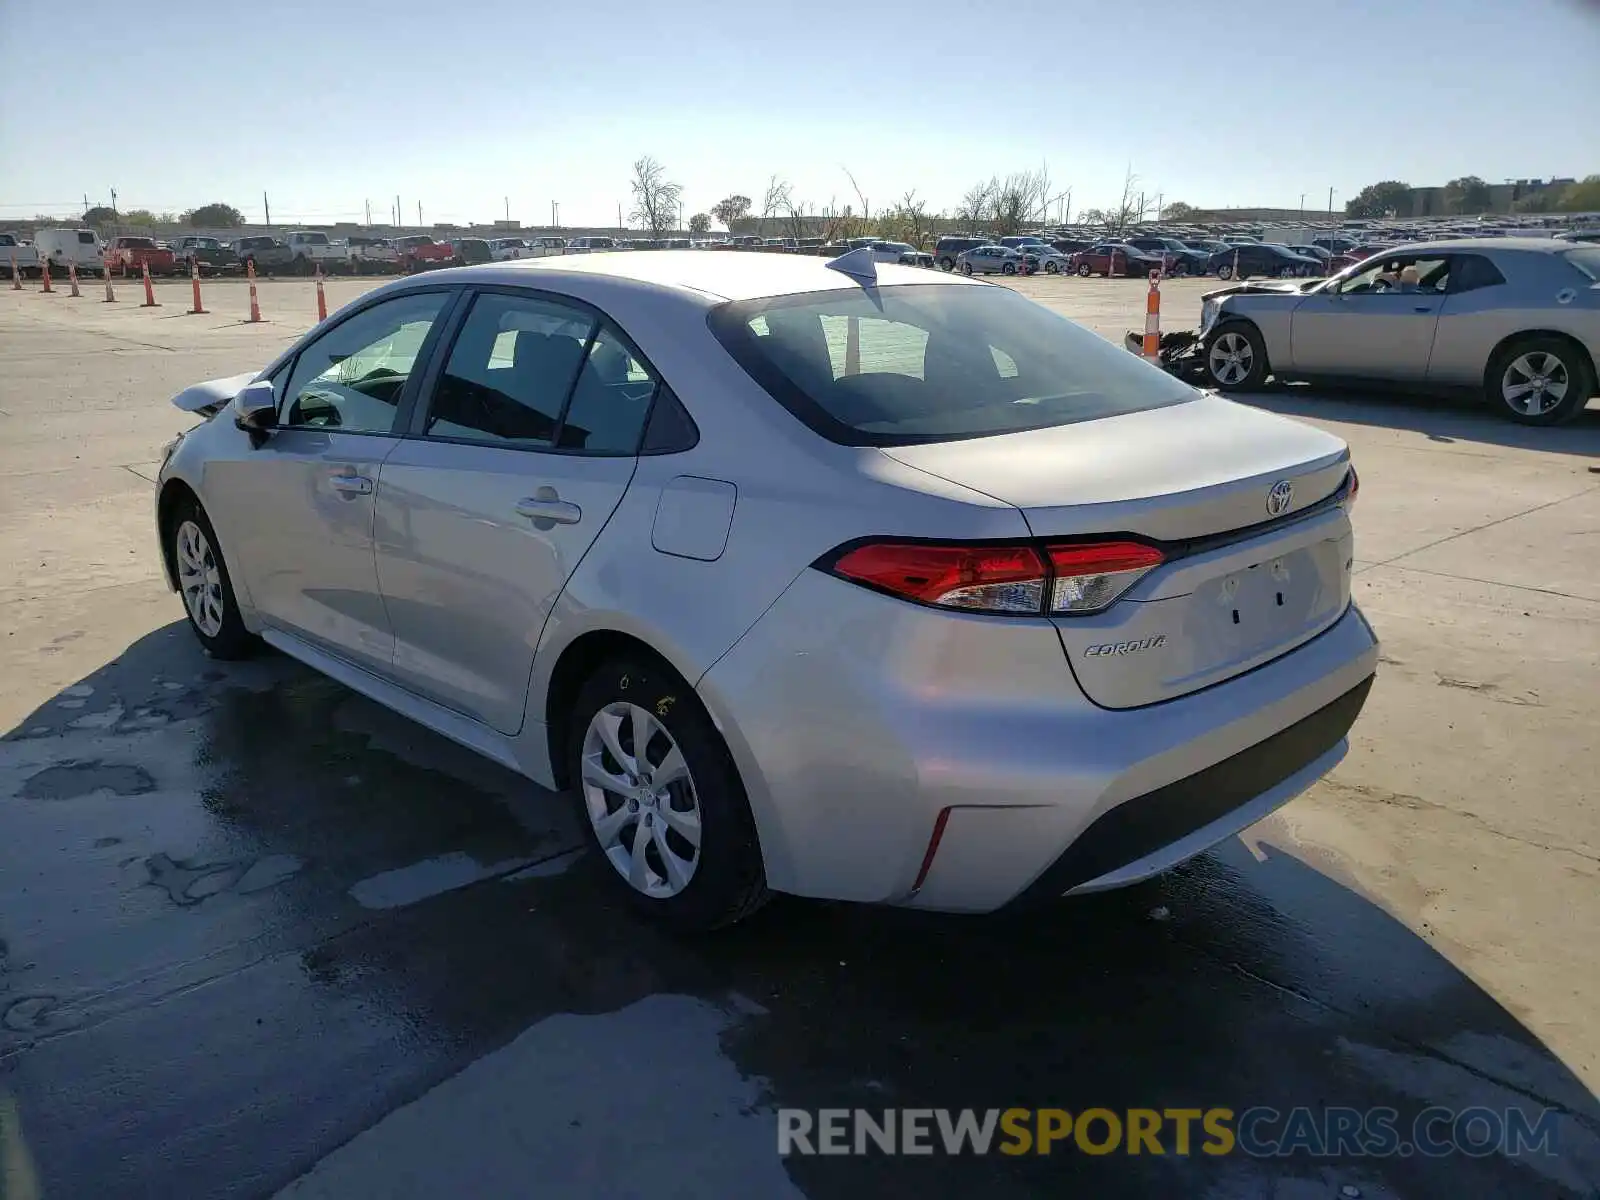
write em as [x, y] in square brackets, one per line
[1084, 271]
[1236, 357]
[1050, 268]
[947, 263]
[1008, 269]
[966, 269]
[1225, 271]
[205, 585]
[1287, 272]
[1570, 376]
[641, 850]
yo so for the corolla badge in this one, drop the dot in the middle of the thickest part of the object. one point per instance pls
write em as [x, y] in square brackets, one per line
[1279, 497]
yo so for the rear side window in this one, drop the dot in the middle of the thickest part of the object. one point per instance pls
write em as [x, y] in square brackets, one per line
[1586, 259]
[85, 238]
[1473, 271]
[939, 362]
[611, 400]
[509, 372]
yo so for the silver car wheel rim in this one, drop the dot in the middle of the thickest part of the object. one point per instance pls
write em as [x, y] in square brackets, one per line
[199, 579]
[641, 800]
[1535, 383]
[1231, 358]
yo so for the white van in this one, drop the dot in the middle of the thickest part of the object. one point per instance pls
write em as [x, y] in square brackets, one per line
[63, 246]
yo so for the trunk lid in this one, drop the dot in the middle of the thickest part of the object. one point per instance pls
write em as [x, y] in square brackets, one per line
[1242, 584]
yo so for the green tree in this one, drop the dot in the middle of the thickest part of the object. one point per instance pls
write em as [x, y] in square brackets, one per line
[700, 223]
[730, 209]
[1469, 194]
[139, 216]
[1178, 211]
[1583, 196]
[216, 215]
[1542, 201]
[1388, 198]
[99, 215]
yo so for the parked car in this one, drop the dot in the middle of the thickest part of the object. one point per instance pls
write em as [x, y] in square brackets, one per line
[1357, 254]
[206, 253]
[546, 246]
[1259, 258]
[134, 254]
[892, 252]
[309, 249]
[419, 252]
[14, 252]
[1019, 241]
[733, 707]
[583, 245]
[506, 249]
[989, 260]
[948, 249]
[1178, 258]
[1320, 253]
[372, 254]
[266, 254]
[1514, 319]
[1070, 246]
[1045, 258]
[61, 247]
[1115, 258]
[471, 251]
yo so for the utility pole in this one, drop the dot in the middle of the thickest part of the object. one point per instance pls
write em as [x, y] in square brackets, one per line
[620, 227]
[1159, 197]
[267, 209]
[368, 203]
[508, 210]
[399, 213]
[555, 215]
[419, 214]
[1302, 206]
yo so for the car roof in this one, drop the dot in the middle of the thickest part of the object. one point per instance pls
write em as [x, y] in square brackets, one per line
[1537, 245]
[724, 275]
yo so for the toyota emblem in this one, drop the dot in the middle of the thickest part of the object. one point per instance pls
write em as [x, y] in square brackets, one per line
[1279, 498]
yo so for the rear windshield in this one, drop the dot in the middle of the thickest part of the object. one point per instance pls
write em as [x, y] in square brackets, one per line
[1586, 260]
[933, 363]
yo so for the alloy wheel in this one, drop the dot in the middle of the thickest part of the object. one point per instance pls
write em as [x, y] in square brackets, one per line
[1534, 383]
[199, 579]
[641, 800]
[1230, 359]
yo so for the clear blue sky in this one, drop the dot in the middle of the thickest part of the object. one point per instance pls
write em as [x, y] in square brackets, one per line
[328, 105]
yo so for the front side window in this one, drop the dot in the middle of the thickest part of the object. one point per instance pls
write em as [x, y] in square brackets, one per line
[510, 371]
[351, 378]
[925, 363]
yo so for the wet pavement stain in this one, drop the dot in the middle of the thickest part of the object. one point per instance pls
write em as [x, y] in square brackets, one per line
[235, 1012]
[66, 781]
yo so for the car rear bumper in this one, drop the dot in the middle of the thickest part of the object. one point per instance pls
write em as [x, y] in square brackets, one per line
[861, 725]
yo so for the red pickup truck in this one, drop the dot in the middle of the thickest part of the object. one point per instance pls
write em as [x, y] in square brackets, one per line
[133, 253]
[420, 252]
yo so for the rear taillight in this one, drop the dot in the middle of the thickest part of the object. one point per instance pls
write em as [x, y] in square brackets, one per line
[1355, 486]
[1068, 580]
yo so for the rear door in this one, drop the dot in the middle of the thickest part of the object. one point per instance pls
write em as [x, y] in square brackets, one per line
[524, 446]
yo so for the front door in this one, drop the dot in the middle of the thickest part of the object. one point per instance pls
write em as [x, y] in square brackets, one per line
[302, 501]
[1378, 324]
[516, 463]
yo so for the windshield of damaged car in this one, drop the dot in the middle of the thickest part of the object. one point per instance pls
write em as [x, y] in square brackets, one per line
[933, 362]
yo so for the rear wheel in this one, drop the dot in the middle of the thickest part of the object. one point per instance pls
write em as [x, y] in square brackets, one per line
[1236, 357]
[1008, 269]
[1540, 381]
[947, 263]
[1286, 272]
[661, 797]
[1050, 267]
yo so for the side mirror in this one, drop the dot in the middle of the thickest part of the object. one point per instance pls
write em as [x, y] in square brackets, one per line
[255, 410]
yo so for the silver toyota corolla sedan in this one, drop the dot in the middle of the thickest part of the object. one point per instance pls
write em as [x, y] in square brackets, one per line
[837, 579]
[1516, 320]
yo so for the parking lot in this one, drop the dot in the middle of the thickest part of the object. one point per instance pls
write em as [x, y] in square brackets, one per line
[254, 926]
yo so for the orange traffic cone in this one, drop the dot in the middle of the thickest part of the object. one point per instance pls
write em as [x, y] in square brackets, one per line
[72, 275]
[111, 297]
[44, 265]
[322, 301]
[194, 279]
[16, 275]
[1152, 320]
[149, 292]
[250, 274]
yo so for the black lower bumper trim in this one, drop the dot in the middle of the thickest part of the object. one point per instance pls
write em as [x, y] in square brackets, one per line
[1146, 823]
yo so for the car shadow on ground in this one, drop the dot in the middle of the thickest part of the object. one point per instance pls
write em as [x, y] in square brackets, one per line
[219, 962]
[1440, 419]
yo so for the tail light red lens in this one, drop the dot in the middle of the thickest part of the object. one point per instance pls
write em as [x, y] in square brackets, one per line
[1355, 486]
[986, 578]
[1074, 580]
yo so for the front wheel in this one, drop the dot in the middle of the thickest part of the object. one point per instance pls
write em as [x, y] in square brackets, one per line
[1084, 271]
[1286, 272]
[966, 269]
[1540, 381]
[205, 585]
[1225, 271]
[1050, 268]
[1008, 269]
[1236, 357]
[662, 799]
[947, 263]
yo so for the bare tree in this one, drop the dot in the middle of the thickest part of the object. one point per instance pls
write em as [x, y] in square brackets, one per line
[907, 220]
[837, 224]
[866, 206]
[655, 200]
[1129, 211]
[976, 209]
[1020, 200]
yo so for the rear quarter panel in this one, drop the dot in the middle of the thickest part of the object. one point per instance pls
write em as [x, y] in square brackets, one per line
[1544, 297]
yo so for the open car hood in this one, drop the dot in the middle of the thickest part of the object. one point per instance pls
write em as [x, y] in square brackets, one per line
[208, 398]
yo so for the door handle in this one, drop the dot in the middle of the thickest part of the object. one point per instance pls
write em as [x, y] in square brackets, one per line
[351, 485]
[1423, 308]
[539, 508]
